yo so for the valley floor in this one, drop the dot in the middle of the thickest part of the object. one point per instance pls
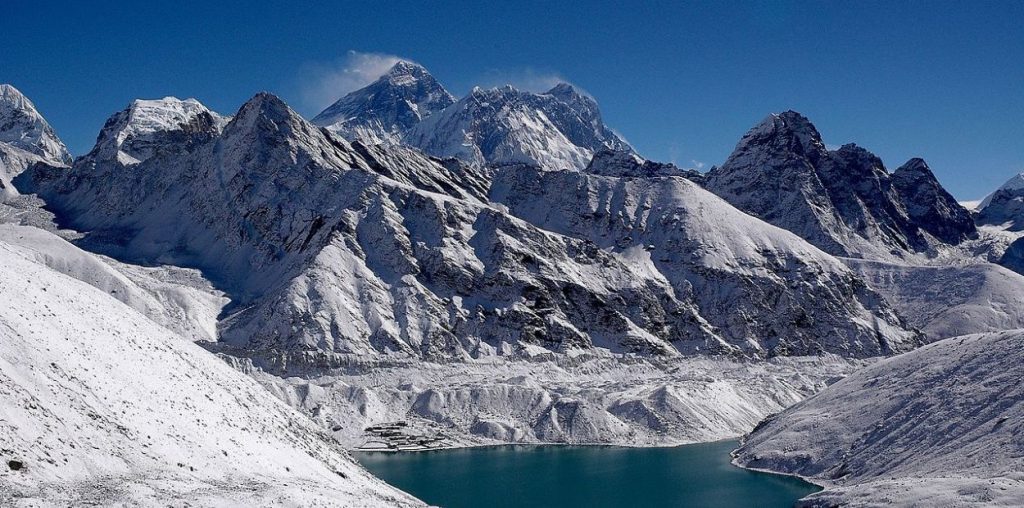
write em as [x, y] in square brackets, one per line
[588, 399]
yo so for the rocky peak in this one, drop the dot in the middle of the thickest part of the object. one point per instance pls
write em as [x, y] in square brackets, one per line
[389, 106]
[843, 201]
[929, 205]
[789, 131]
[148, 127]
[22, 127]
[1005, 206]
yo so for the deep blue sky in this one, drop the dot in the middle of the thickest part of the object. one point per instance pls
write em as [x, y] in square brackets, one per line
[682, 82]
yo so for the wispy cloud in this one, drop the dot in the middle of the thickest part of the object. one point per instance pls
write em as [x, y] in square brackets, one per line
[697, 164]
[324, 83]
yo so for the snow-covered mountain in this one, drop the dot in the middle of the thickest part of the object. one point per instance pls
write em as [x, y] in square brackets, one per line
[1004, 207]
[939, 426]
[843, 201]
[25, 138]
[558, 129]
[320, 251]
[103, 406]
[384, 110]
[21, 126]
[721, 258]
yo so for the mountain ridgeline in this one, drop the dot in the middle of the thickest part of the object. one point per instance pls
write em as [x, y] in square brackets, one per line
[351, 248]
[843, 201]
[558, 129]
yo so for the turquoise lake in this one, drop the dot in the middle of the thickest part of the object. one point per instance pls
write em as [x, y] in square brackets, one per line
[584, 476]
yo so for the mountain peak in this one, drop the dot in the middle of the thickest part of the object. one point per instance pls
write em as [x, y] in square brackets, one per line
[22, 127]
[843, 201]
[915, 164]
[564, 88]
[407, 68]
[380, 111]
[148, 126]
[788, 130]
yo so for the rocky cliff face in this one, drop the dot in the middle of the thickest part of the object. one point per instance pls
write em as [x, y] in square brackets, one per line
[345, 248]
[843, 201]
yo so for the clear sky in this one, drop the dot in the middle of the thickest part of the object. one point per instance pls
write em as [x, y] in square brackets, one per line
[681, 81]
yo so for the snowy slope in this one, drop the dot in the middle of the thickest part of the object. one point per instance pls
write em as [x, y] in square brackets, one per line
[939, 426]
[843, 201]
[559, 129]
[945, 301]
[763, 289]
[100, 405]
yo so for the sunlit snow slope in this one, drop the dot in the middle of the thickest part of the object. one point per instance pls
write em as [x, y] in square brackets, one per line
[100, 405]
[939, 426]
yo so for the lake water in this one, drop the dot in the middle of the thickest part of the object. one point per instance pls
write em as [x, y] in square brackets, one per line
[584, 476]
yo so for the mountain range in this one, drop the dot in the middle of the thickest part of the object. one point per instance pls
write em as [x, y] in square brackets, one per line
[503, 266]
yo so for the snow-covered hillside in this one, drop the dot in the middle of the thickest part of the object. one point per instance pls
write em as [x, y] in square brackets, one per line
[843, 201]
[948, 300]
[939, 426]
[725, 260]
[100, 405]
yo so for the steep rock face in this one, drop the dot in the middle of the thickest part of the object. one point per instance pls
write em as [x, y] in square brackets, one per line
[939, 426]
[843, 201]
[763, 289]
[1005, 206]
[388, 107]
[929, 206]
[319, 251]
[560, 129]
